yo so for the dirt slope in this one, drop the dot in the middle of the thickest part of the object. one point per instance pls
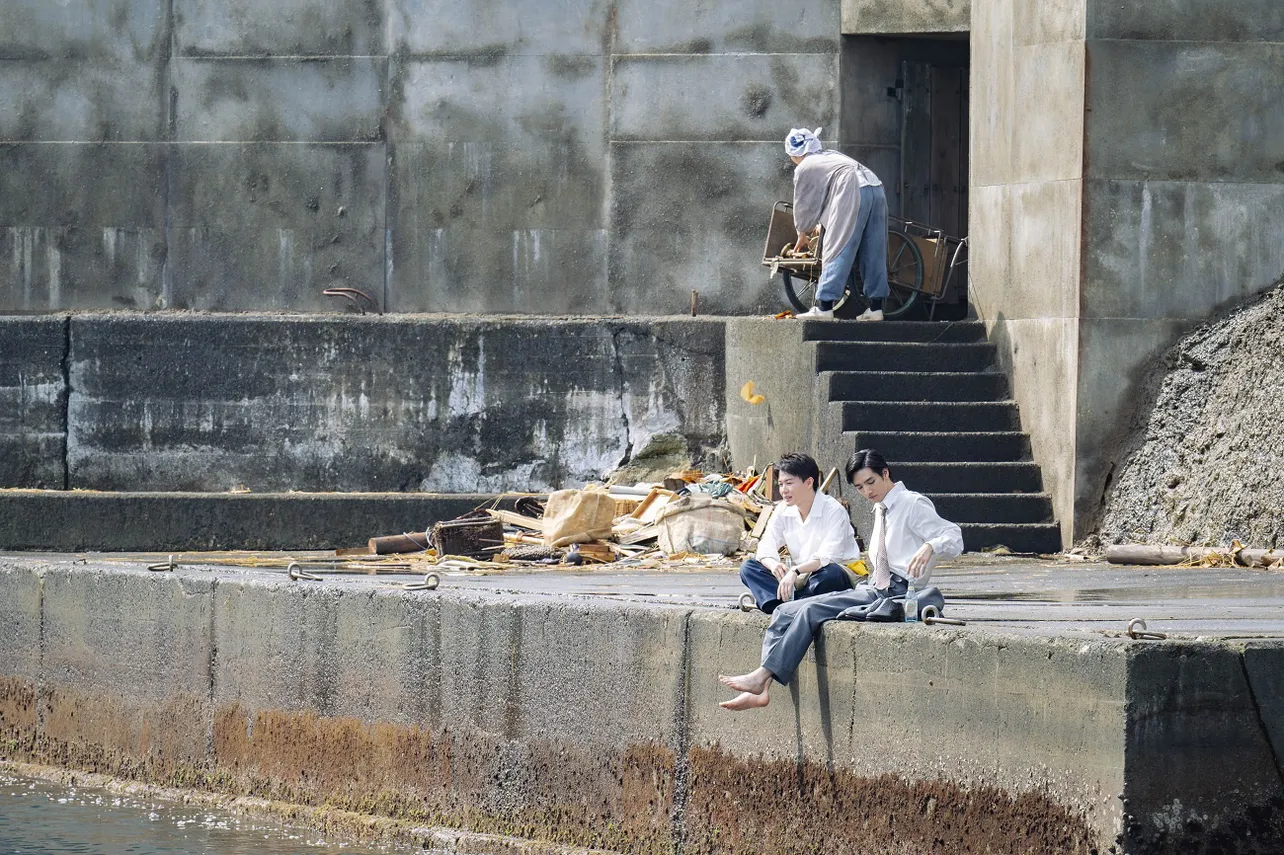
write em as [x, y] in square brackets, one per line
[1208, 466]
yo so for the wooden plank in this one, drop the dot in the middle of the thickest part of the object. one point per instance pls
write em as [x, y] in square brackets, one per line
[517, 520]
[760, 527]
[946, 199]
[916, 141]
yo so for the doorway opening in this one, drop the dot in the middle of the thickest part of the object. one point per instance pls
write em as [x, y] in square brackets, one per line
[904, 113]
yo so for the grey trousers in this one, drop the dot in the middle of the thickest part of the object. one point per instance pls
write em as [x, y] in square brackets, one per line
[794, 624]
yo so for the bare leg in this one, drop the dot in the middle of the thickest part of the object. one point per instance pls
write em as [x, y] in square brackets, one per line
[747, 701]
[755, 682]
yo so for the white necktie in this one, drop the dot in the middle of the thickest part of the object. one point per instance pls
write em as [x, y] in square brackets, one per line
[882, 568]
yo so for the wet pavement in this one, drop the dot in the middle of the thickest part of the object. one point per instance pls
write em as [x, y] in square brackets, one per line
[1043, 596]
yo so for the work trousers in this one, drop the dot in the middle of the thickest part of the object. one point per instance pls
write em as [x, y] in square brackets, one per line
[867, 248]
[764, 586]
[794, 624]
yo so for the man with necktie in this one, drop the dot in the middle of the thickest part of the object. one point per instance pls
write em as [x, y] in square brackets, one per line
[909, 538]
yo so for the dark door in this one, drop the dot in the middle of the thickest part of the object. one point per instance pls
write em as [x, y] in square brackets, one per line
[934, 146]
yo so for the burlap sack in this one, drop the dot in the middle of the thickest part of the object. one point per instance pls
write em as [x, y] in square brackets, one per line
[577, 516]
[700, 523]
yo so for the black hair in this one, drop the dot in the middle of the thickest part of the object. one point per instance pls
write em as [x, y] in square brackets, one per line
[801, 466]
[867, 458]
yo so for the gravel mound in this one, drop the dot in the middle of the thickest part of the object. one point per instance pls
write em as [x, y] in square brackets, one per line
[1207, 463]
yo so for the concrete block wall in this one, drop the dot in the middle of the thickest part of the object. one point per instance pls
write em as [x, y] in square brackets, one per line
[595, 724]
[903, 17]
[443, 155]
[211, 403]
[33, 402]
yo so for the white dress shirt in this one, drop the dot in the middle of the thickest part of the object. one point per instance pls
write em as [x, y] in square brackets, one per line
[825, 535]
[912, 520]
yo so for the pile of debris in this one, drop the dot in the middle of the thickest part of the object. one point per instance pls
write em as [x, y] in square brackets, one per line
[691, 517]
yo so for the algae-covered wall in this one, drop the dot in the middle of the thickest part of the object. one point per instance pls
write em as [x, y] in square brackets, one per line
[442, 155]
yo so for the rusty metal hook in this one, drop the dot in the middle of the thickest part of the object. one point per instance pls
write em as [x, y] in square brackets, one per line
[354, 296]
[1137, 631]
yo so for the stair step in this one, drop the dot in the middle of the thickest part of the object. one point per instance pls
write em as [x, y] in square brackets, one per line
[1028, 537]
[903, 356]
[76, 521]
[993, 477]
[930, 416]
[917, 386]
[920, 331]
[994, 508]
[944, 446]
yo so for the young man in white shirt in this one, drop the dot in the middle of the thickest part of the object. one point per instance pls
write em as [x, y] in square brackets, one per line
[908, 539]
[818, 533]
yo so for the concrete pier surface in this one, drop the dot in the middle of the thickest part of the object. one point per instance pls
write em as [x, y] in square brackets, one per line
[580, 709]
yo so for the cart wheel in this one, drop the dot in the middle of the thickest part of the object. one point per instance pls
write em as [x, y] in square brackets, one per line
[904, 273]
[801, 293]
[747, 602]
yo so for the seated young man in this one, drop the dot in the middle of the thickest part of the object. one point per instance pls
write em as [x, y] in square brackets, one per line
[818, 532]
[908, 538]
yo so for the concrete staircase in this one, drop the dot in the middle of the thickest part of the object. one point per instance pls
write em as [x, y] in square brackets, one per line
[930, 397]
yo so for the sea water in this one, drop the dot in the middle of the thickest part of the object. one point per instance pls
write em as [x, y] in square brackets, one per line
[40, 818]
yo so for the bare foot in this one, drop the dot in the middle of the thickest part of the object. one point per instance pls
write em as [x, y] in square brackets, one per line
[755, 682]
[746, 701]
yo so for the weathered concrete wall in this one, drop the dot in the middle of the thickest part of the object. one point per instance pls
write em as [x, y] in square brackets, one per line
[271, 403]
[596, 725]
[81, 520]
[33, 402]
[1183, 193]
[898, 17]
[443, 155]
[1025, 211]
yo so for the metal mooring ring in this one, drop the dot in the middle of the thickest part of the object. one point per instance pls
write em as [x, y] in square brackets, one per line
[1137, 631]
[163, 567]
[747, 602]
[296, 573]
[430, 583]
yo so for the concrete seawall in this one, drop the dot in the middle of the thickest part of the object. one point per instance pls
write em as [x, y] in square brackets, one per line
[590, 723]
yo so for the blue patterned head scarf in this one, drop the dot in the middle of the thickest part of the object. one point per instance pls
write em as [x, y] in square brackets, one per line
[802, 141]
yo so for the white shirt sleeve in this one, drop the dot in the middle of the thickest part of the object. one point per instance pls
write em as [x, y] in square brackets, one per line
[945, 537]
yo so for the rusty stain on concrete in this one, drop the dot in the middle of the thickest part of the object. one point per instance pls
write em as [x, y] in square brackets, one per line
[17, 716]
[102, 732]
[460, 777]
[735, 806]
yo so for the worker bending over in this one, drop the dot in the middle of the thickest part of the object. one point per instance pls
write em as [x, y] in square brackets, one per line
[845, 198]
[817, 532]
[909, 537]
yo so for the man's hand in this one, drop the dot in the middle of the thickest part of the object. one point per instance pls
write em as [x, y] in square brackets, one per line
[778, 570]
[803, 242]
[918, 564]
[785, 590]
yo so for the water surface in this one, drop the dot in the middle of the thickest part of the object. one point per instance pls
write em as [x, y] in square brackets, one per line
[40, 818]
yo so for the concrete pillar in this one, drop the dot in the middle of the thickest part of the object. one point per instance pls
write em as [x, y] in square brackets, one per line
[1027, 128]
[1127, 182]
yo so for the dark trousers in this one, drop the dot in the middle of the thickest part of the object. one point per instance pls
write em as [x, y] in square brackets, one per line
[758, 579]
